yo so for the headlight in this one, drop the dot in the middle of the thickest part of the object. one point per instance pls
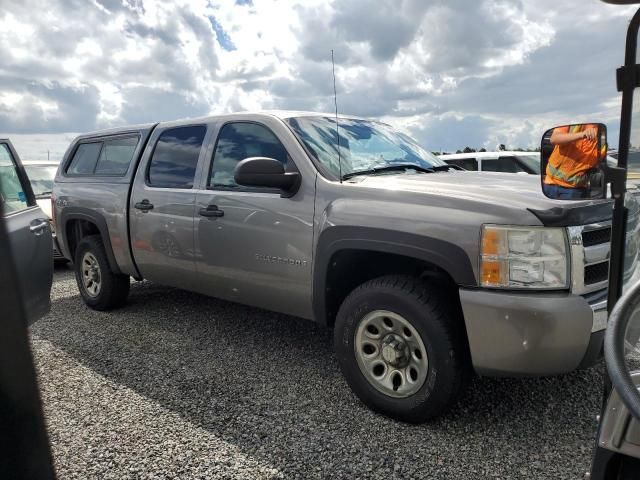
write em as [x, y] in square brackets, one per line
[523, 257]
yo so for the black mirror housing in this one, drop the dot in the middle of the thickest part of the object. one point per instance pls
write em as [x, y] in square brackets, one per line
[573, 162]
[267, 173]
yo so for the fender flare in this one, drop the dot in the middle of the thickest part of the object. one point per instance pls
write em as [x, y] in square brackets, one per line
[80, 213]
[447, 256]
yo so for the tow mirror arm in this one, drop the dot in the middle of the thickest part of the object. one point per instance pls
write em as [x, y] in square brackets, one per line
[627, 77]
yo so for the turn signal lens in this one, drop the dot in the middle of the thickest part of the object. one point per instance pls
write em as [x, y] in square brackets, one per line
[493, 272]
[491, 242]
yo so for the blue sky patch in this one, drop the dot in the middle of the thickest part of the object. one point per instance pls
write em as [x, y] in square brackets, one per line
[223, 37]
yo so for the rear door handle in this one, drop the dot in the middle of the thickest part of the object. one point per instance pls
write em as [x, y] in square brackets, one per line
[38, 226]
[144, 205]
[212, 211]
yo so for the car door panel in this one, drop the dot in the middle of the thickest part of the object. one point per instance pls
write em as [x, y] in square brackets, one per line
[29, 234]
[257, 253]
[162, 206]
[257, 250]
[32, 250]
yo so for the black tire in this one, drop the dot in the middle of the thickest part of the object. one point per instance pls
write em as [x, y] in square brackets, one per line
[431, 313]
[114, 288]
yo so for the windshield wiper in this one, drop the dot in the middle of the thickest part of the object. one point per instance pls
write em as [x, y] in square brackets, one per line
[43, 195]
[388, 168]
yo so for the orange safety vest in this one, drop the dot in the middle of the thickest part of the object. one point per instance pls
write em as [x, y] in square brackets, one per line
[569, 163]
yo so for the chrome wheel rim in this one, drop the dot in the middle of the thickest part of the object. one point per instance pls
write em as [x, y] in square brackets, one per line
[391, 354]
[91, 278]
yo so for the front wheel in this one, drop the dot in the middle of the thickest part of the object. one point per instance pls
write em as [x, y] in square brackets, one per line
[100, 287]
[401, 348]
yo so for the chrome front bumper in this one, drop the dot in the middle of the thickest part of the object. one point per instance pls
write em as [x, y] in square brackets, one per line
[600, 315]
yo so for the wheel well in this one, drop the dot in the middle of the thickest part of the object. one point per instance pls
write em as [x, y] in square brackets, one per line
[76, 230]
[349, 268]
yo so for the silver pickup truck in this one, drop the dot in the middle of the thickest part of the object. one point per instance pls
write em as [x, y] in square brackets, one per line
[426, 273]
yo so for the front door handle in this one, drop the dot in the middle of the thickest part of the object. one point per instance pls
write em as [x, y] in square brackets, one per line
[212, 211]
[38, 226]
[144, 205]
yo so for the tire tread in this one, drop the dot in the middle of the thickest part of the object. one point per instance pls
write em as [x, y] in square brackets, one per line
[446, 321]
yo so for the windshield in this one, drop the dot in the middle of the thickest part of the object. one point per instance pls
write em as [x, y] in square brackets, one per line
[41, 178]
[364, 145]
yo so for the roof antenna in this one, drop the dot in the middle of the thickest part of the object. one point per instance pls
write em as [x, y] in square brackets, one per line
[335, 101]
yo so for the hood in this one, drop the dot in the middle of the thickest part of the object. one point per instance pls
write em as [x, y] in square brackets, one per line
[502, 189]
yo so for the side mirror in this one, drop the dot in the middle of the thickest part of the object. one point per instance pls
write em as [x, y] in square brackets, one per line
[267, 173]
[573, 161]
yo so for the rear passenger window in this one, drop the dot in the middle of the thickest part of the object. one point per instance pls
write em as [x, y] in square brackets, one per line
[175, 158]
[85, 159]
[238, 141]
[116, 156]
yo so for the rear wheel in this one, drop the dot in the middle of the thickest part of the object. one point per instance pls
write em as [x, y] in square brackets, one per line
[100, 287]
[401, 348]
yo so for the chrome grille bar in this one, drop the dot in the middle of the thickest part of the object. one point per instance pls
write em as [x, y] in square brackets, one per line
[582, 257]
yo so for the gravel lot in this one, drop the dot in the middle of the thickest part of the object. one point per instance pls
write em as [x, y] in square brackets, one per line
[177, 385]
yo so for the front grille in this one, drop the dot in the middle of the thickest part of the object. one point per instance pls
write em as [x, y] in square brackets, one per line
[590, 248]
[596, 273]
[595, 237]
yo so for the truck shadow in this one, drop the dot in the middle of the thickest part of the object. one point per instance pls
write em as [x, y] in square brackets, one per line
[252, 376]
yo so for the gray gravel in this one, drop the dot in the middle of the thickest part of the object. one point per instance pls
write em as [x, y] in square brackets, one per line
[177, 385]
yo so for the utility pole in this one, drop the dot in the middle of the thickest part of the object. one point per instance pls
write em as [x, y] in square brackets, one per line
[47, 155]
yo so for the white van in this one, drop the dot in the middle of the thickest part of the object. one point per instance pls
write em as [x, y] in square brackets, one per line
[502, 161]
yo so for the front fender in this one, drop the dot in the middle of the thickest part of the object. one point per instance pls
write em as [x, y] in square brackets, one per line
[445, 255]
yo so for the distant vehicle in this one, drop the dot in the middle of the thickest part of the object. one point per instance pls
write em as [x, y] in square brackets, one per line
[29, 233]
[502, 161]
[41, 175]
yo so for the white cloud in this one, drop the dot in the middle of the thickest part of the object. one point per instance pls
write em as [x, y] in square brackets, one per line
[453, 72]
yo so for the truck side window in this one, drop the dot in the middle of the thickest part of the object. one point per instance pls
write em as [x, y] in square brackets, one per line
[175, 157]
[466, 163]
[12, 196]
[238, 141]
[502, 164]
[116, 156]
[85, 159]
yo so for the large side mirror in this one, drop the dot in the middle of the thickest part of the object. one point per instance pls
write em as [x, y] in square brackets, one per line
[267, 173]
[573, 161]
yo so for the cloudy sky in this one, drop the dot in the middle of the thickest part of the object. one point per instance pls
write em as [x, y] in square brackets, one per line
[450, 72]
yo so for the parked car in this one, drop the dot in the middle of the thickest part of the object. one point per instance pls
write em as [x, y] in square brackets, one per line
[424, 271]
[41, 175]
[502, 161]
[29, 233]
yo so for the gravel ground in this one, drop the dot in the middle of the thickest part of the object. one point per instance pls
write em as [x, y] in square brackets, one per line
[177, 385]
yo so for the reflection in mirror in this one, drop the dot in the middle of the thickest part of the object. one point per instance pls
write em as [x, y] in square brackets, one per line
[631, 255]
[572, 157]
[631, 276]
[634, 138]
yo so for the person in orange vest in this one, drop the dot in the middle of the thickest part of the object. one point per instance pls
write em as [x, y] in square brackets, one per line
[575, 154]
